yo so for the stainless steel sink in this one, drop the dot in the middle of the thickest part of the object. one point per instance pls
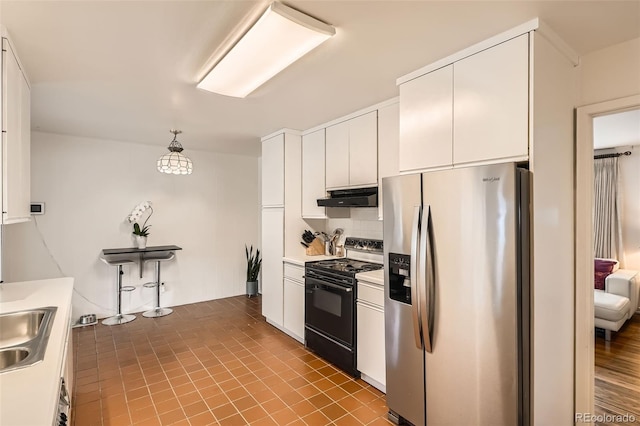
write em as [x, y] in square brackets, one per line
[24, 336]
[9, 357]
[20, 327]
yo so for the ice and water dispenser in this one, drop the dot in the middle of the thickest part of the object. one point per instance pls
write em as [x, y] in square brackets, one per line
[400, 277]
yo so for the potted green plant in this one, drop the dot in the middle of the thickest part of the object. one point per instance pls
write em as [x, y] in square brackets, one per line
[253, 269]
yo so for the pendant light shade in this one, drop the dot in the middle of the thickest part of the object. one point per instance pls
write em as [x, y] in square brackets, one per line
[175, 162]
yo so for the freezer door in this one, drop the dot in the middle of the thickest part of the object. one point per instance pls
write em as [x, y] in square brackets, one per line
[403, 344]
[472, 368]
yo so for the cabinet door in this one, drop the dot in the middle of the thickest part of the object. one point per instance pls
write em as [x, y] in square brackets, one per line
[371, 358]
[363, 150]
[337, 155]
[272, 252]
[426, 121]
[313, 172]
[16, 139]
[273, 171]
[388, 141]
[23, 209]
[491, 108]
[294, 308]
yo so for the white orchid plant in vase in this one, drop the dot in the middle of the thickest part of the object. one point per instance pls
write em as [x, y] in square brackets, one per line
[140, 232]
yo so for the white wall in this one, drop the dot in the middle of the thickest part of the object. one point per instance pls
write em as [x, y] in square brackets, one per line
[90, 186]
[611, 73]
[362, 223]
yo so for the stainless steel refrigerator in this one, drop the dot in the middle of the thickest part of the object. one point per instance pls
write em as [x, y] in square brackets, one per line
[456, 253]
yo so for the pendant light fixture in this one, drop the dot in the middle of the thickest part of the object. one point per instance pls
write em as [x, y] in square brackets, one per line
[175, 162]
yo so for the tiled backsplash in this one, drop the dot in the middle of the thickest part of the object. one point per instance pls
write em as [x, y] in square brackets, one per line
[363, 223]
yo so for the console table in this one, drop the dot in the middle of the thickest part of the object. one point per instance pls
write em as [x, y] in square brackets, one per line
[140, 252]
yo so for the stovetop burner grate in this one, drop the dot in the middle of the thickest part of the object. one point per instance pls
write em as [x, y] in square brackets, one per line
[346, 265]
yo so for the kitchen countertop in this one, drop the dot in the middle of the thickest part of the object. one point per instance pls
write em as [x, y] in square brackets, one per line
[300, 260]
[373, 277]
[29, 396]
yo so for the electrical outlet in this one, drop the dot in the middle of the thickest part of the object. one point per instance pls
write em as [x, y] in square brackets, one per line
[162, 288]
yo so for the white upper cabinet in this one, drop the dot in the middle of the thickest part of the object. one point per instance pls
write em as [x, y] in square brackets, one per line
[352, 152]
[337, 151]
[363, 150]
[491, 103]
[474, 109]
[16, 139]
[313, 175]
[273, 171]
[426, 121]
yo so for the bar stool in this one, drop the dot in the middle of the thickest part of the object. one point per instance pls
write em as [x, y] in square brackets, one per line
[158, 311]
[119, 318]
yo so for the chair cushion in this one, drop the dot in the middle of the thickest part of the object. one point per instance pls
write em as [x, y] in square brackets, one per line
[609, 306]
[603, 268]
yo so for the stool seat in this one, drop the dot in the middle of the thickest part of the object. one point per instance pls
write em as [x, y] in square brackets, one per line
[115, 261]
[119, 262]
[157, 311]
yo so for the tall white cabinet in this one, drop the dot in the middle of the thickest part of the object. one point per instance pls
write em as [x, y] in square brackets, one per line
[16, 137]
[388, 141]
[272, 253]
[313, 174]
[273, 171]
[282, 222]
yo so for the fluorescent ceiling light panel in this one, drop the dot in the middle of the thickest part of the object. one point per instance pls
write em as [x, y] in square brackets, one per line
[280, 37]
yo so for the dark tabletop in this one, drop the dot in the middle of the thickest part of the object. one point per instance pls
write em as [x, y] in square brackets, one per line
[149, 249]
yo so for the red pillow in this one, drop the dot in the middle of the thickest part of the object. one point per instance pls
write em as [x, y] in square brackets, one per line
[603, 269]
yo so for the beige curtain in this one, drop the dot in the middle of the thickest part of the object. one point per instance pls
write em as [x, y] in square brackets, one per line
[606, 210]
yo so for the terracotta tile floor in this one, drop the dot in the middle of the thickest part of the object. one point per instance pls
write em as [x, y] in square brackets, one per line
[211, 363]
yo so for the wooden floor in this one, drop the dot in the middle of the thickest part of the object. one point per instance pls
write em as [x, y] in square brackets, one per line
[617, 374]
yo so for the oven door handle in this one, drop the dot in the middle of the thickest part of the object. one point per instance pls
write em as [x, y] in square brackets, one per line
[337, 287]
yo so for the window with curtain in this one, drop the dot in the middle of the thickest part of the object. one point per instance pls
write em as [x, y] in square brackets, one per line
[606, 210]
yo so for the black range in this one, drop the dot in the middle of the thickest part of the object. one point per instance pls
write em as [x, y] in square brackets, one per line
[330, 309]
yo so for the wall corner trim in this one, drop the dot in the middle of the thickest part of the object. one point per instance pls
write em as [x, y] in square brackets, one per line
[558, 43]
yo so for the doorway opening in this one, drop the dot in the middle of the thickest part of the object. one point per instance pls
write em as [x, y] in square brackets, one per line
[586, 132]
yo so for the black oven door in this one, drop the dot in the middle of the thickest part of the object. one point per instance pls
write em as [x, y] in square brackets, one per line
[329, 304]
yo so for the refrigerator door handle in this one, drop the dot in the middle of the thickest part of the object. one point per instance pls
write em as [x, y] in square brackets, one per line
[428, 280]
[414, 278]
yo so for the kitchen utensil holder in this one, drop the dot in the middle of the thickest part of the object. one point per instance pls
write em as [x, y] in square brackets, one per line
[316, 248]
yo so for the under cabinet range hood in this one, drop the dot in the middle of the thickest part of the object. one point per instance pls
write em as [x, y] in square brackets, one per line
[357, 197]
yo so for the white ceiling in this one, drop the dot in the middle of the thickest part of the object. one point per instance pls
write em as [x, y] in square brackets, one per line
[620, 129]
[127, 70]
